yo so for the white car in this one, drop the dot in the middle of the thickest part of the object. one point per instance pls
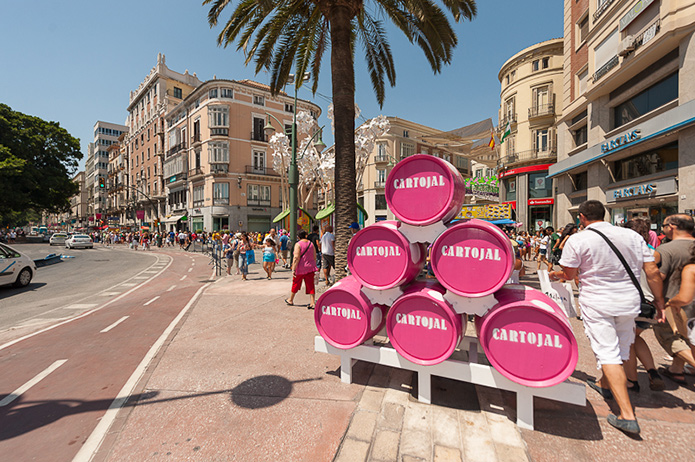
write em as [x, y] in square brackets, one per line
[15, 267]
[58, 238]
[79, 240]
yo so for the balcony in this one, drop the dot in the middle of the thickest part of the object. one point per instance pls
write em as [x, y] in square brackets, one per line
[219, 132]
[259, 136]
[511, 118]
[219, 168]
[379, 184]
[528, 156]
[381, 159]
[258, 202]
[251, 169]
[195, 139]
[194, 172]
[176, 148]
[541, 110]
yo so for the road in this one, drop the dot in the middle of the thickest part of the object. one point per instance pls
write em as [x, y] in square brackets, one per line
[59, 378]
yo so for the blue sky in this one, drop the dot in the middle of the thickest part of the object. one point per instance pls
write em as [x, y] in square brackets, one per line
[76, 61]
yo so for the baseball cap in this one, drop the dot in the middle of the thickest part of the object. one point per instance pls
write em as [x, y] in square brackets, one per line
[354, 225]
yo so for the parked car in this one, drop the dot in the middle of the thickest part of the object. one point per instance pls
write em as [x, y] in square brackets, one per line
[58, 238]
[79, 240]
[15, 267]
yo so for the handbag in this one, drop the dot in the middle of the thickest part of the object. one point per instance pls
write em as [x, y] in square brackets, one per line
[647, 308]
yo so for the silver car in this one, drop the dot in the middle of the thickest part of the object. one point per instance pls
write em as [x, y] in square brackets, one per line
[79, 240]
[58, 238]
[15, 267]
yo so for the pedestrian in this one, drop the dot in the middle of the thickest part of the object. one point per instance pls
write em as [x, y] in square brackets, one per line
[328, 253]
[673, 255]
[244, 246]
[303, 269]
[269, 256]
[682, 302]
[235, 244]
[543, 249]
[284, 243]
[315, 238]
[609, 300]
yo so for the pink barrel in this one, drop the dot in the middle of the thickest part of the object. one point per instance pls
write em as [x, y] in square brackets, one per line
[472, 259]
[422, 326]
[380, 257]
[423, 189]
[528, 338]
[345, 317]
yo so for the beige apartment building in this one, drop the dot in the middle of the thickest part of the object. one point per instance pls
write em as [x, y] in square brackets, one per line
[162, 90]
[531, 81]
[117, 181]
[218, 165]
[105, 134]
[627, 135]
[404, 138]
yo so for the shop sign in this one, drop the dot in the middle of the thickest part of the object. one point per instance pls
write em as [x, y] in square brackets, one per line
[652, 188]
[530, 169]
[621, 140]
[548, 201]
[638, 7]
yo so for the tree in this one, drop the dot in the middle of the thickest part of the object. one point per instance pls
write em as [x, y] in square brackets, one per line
[37, 159]
[280, 35]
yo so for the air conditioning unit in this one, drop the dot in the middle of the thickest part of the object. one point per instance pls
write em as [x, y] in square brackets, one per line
[626, 46]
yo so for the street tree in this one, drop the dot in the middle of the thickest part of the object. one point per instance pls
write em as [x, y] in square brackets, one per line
[37, 160]
[278, 36]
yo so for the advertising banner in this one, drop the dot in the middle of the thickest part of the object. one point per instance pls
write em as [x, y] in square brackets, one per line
[140, 214]
[486, 212]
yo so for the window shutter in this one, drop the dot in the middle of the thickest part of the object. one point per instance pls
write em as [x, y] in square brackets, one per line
[534, 101]
[552, 139]
[535, 140]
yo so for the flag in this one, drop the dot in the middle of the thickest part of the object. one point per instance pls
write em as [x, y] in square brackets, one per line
[507, 132]
[492, 140]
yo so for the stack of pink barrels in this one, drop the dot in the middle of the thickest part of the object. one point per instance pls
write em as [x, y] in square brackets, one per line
[525, 335]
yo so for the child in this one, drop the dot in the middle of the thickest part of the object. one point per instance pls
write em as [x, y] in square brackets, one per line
[269, 256]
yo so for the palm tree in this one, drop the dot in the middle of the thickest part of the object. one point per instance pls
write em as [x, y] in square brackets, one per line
[280, 35]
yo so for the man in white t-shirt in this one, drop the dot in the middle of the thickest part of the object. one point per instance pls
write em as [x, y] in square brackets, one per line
[609, 300]
[328, 253]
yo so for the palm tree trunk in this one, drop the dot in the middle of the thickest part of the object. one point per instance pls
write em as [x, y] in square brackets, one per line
[343, 81]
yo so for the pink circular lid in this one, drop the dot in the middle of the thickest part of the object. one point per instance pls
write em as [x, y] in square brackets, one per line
[529, 345]
[423, 328]
[423, 189]
[379, 256]
[472, 259]
[341, 316]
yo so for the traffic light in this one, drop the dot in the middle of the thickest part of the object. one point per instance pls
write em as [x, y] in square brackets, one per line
[102, 184]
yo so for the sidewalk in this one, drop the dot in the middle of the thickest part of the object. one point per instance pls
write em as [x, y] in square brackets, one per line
[239, 380]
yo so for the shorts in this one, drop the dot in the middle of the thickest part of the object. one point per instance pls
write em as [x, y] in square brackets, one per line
[284, 253]
[610, 337]
[670, 341]
[328, 261]
[544, 251]
[308, 283]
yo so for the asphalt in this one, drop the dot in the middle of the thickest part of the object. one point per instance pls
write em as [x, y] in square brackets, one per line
[239, 380]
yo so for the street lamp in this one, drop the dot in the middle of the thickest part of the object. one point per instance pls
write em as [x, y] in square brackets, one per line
[293, 175]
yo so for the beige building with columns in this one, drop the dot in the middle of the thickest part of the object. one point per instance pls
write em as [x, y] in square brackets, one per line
[531, 88]
[627, 135]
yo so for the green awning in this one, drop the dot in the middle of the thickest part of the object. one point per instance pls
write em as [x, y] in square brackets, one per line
[328, 211]
[366, 215]
[282, 215]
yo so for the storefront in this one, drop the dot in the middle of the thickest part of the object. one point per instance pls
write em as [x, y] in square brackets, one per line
[540, 213]
[531, 194]
[653, 199]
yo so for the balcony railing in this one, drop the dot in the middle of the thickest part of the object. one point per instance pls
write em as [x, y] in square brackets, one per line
[511, 118]
[261, 171]
[258, 202]
[379, 184]
[174, 149]
[220, 201]
[195, 138]
[603, 70]
[381, 159]
[258, 136]
[195, 172]
[529, 155]
[219, 132]
[541, 110]
[219, 168]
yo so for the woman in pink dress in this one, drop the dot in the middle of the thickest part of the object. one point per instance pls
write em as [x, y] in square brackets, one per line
[303, 269]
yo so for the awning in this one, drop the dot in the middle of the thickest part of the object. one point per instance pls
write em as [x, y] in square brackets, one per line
[281, 216]
[328, 211]
[173, 218]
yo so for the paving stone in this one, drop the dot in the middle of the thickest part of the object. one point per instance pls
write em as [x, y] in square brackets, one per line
[352, 451]
[475, 436]
[444, 454]
[401, 397]
[445, 427]
[411, 459]
[416, 443]
[391, 416]
[503, 430]
[417, 417]
[362, 425]
[385, 447]
[507, 453]
[371, 400]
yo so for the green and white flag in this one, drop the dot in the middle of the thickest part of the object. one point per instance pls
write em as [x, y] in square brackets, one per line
[507, 132]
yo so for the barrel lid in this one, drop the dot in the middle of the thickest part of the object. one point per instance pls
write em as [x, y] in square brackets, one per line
[528, 344]
[472, 259]
[420, 189]
[423, 328]
[379, 255]
[341, 315]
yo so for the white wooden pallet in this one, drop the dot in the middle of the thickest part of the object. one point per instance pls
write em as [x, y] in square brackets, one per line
[465, 371]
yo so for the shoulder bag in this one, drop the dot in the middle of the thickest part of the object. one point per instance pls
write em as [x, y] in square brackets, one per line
[647, 308]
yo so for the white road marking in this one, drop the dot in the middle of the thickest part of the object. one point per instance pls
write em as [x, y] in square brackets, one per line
[171, 288]
[114, 324]
[141, 277]
[149, 272]
[90, 447]
[42, 375]
[183, 277]
[190, 269]
[129, 284]
[80, 306]
[151, 300]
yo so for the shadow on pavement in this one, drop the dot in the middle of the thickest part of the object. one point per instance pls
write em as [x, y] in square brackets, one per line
[263, 391]
[8, 291]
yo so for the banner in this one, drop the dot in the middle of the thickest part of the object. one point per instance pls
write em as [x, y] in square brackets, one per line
[486, 212]
[140, 214]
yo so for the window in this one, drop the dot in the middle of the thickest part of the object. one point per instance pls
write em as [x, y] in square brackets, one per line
[226, 93]
[406, 134]
[510, 143]
[580, 136]
[219, 116]
[381, 176]
[534, 65]
[647, 163]
[218, 153]
[581, 181]
[380, 202]
[582, 78]
[510, 189]
[407, 149]
[509, 111]
[541, 142]
[259, 100]
[539, 185]
[653, 97]
[289, 107]
[583, 28]
[178, 93]
[220, 193]
[546, 63]
[259, 161]
[258, 194]
[198, 196]
[148, 153]
[381, 150]
[212, 93]
[507, 79]
[258, 132]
